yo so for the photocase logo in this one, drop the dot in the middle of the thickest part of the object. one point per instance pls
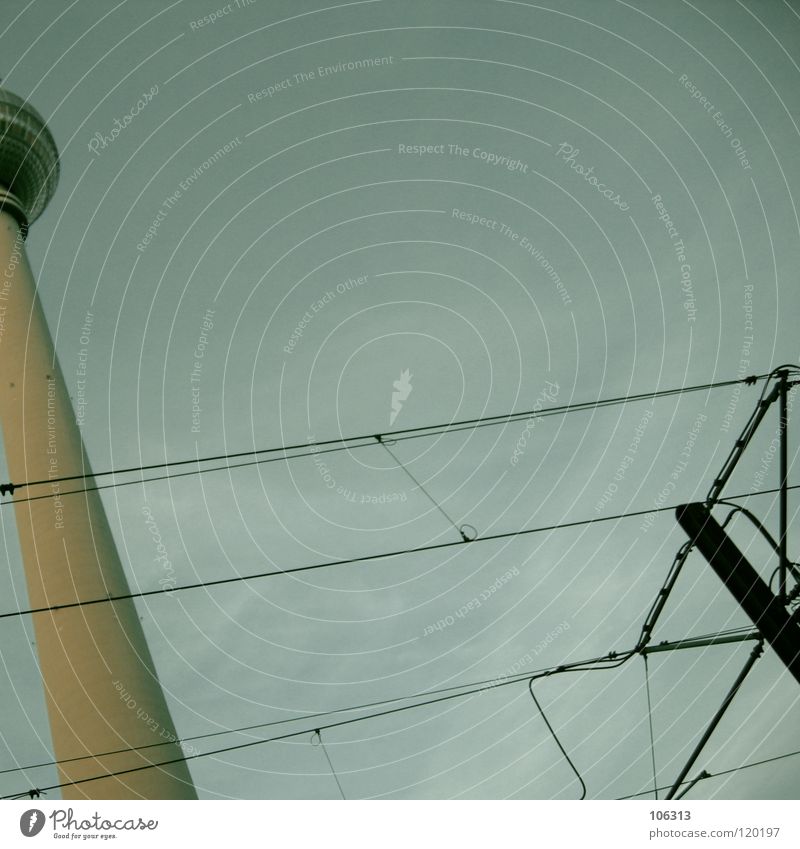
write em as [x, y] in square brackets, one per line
[402, 389]
[31, 822]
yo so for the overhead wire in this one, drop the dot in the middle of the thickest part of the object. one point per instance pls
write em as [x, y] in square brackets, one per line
[611, 660]
[747, 434]
[328, 759]
[712, 499]
[558, 742]
[473, 686]
[492, 684]
[331, 445]
[792, 566]
[511, 417]
[719, 774]
[663, 594]
[692, 783]
[755, 654]
[292, 570]
[650, 722]
[458, 529]
[56, 493]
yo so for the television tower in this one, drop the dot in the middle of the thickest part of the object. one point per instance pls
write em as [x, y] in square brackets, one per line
[104, 701]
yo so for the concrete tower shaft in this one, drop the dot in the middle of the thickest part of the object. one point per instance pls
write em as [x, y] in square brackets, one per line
[101, 688]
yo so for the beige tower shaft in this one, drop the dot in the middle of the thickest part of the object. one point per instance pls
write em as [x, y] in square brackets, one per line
[100, 683]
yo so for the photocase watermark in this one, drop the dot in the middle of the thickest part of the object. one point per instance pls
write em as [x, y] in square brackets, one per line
[626, 462]
[8, 278]
[503, 229]
[65, 826]
[402, 389]
[759, 477]
[152, 723]
[101, 141]
[679, 468]
[547, 395]
[679, 250]
[525, 661]
[167, 582]
[353, 496]
[744, 357]
[222, 12]
[487, 157]
[52, 455]
[318, 73]
[32, 822]
[206, 325]
[569, 156]
[318, 305]
[80, 371]
[183, 186]
[474, 604]
[719, 119]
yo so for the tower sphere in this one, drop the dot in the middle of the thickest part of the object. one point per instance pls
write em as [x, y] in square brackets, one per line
[28, 159]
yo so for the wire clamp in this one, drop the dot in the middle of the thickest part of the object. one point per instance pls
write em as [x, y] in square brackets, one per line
[468, 532]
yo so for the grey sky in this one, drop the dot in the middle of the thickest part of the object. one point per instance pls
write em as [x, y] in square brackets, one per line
[314, 190]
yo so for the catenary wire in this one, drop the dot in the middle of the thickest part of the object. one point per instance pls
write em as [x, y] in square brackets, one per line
[459, 694]
[747, 434]
[612, 660]
[626, 657]
[577, 666]
[487, 683]
[422, 489]
[712, 498]
[660, 601]
[330, 762]
[650, 722]
[661, 598]
[720, 773]
[136, 481]
[343, 443]
[354, 560]
[755, 654]
[558, 742]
